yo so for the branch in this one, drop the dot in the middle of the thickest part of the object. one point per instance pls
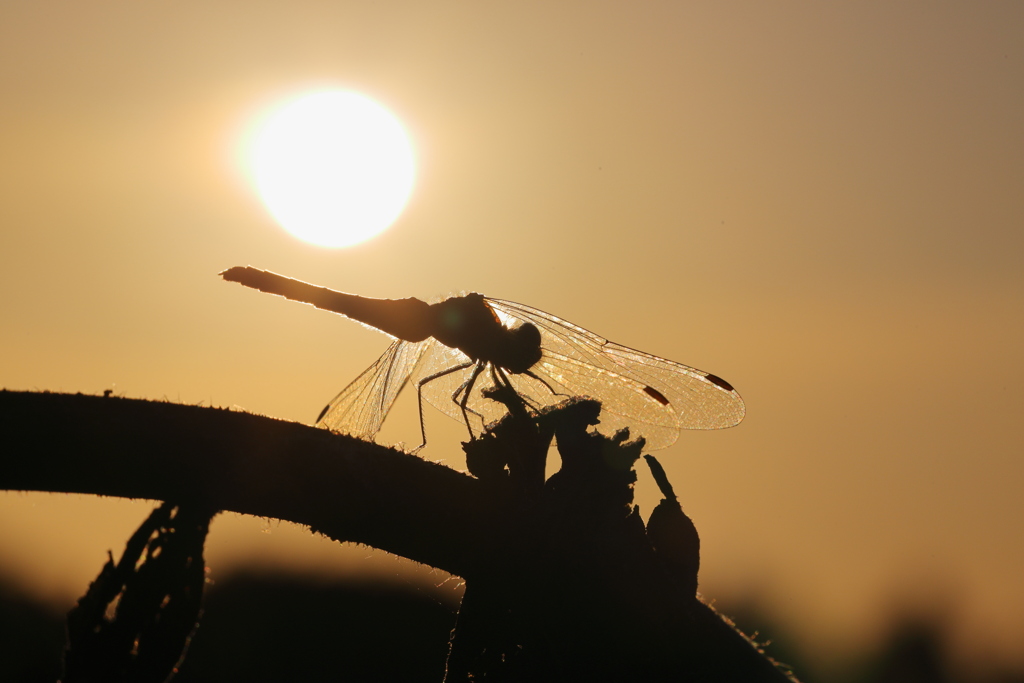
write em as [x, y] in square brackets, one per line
[563, 578]
[347, 489]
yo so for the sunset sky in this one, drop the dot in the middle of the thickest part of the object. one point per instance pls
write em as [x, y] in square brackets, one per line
[821, 202]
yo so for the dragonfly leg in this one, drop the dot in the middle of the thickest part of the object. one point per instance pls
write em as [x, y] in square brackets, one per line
[545, 383]
[419, 396]
[465, 390]
[466, 387]
[501, 380]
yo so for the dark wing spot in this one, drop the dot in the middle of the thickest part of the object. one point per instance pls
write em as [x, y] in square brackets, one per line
[718, 381]
[323, 412]
[656, 395]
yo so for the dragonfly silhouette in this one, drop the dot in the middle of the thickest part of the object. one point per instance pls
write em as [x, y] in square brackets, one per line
[457, 350]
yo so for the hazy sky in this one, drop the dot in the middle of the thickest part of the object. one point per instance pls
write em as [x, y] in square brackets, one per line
[820, 202]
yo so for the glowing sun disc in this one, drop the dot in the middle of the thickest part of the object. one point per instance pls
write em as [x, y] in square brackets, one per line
[334, 168]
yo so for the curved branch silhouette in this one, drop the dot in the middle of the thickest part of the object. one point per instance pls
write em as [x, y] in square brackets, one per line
[562, 576]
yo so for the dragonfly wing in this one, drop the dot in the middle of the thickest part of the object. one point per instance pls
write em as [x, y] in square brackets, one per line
[359, 410]
[701, 400]
[660, 394]
[443, 391]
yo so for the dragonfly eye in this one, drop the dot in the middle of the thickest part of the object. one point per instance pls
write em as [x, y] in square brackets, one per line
[526, 348]
[527, 335]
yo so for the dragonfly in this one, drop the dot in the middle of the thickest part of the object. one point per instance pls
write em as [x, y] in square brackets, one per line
[458, 351]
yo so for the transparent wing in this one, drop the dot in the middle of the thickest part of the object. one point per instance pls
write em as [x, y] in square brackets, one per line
[360, 408]
[658, 397]
[441, 391]
[444, 391]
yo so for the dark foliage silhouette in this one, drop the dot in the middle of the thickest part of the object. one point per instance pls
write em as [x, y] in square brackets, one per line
[563, 578]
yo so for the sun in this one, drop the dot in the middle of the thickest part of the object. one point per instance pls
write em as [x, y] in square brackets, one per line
[333, 167]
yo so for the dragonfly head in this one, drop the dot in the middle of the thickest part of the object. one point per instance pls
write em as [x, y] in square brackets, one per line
[525, 349]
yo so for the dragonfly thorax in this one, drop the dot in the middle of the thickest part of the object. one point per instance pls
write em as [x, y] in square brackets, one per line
[469, 324]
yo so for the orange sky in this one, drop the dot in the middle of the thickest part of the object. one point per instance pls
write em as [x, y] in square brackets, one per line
[819, 202]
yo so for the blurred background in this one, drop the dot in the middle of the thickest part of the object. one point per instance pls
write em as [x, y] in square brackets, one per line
[819, 202]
